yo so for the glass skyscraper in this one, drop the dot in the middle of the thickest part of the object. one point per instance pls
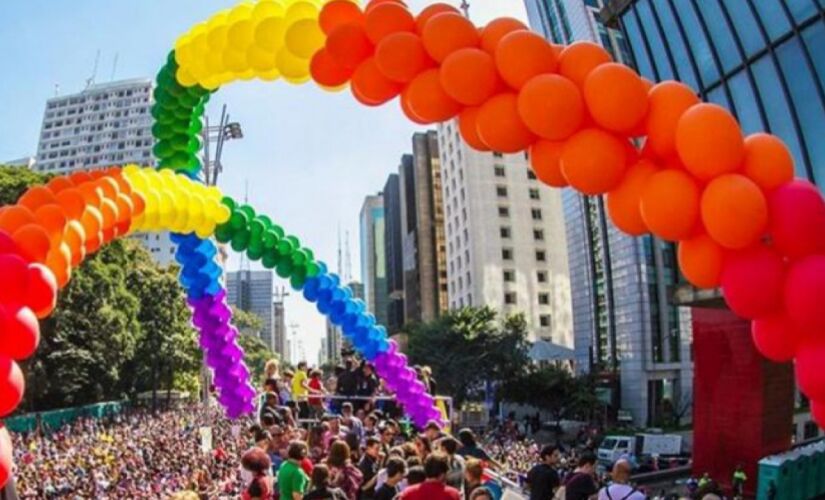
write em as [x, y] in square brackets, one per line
[373, 257]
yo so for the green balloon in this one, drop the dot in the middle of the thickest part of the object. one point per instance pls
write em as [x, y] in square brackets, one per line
[270, 259]
[239, 219]
[166, 118]
[299, 258]
[157, 111]
[267, 222]
[310, 254]
[163, 149]
[187, 100]
[224, 233]
[285, 248]
[255, 253]
[297, 281]
[171, 62]
[249, 211]
[240, 240]
[197, 91]
[256, 227]
[279, 231]
[284, 269]
[198, 111]
[270, 239]
[182, 113]
[194, 145]
[175, 90]
[313, 269]
[229, 202]
[162, 131]
[179, 142]
[195, 126]
[296, 243]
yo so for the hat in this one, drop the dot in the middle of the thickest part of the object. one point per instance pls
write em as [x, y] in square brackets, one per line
[432, 424]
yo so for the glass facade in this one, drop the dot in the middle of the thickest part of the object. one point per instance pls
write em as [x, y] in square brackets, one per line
[762, 59]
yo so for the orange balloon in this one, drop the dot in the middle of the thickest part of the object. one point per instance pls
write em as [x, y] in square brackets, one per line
[75, 238]
[92, 194]
[326, 71]
[551, 106]
[125, 209]
[370, 86]
[108, 209]
[401, 57]
[33, 242]
[337, 13]
[668, 102]
[768, 162]
[375, 3]
[468, 127]
[623, 201]
[500, 127]
[349, 45]
[593, 161]
[92, 221]
[428, 100]
[53, 219]
[522, 55]
[670, 204]
[734, 211]
[122, 183]
[709, 141]
[578, 59]
[108, 187]
[80, 177]
[386, 19]
[545, 159]
[492, 34]
[405, 108]
[431, 11]
[14, 217]
[58, 262]
[72, 202]
[469, 76]
[616, 97]
[58, 184]
[139, 204]
[700, 260]
[446, 33]
[37, 196]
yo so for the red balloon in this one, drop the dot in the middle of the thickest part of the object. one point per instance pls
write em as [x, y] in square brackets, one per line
[338, 12]
[804, 292]
[20, 332]
[401, 57]
[15, 275]
[405, 108]
[500, 126]
[469, 76]
[776, 337]
[797, 219]
[468, 126]
[326, 71]
[370, 86]
[348, 45]
[810, 376]
[6, 458]
[818, 412]
[752, 282]
[446, 33]
[427, 99]
[12, 385]
[386, 19]
[41, 295]
[7, 244]
[545, 159]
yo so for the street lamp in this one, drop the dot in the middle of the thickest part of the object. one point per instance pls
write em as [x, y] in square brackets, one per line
[220, 133]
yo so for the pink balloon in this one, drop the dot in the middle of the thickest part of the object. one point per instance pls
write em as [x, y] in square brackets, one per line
[804, 292]
[752, 282]
[797, 221]
[818, 412]
[12, 385]
[5, 456]
[15, 273]
[776, 337]
[19, 331]
[810, 376]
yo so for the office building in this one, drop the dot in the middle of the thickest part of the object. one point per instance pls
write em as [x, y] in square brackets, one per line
[394, 253]
[25, 162]
[334, 340]
[626, 330]
[251, 291]
[506, 246]
[373, 257]
[279, 328]
[104, 125]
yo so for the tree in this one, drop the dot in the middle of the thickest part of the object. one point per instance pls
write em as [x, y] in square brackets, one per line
[15, 180]
[469, 347]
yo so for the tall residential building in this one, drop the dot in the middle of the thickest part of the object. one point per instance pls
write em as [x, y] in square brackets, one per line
[761, 59]
[422, 230]
[24, 162]
[334, 339]
[506, 246]
[251, 291]
[626, 329]
[394, 253]
[105, 124]
[373, 256]
[279, 331]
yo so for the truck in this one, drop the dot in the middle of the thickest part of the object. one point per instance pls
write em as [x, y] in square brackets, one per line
[637, 447]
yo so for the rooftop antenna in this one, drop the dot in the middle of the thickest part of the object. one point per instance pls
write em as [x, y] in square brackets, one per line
[347, 261]
[91, 80]
[56, 89]
[465, 7]
[114, 67]
[339, 269]
[245, 262]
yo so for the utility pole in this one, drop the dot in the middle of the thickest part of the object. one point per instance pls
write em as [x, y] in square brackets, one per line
[465, 7]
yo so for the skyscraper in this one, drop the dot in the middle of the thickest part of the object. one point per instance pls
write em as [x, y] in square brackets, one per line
[279, 332]
[251, 291]
[373, 256]
[626, 329]
[505, 238]
[394, 253]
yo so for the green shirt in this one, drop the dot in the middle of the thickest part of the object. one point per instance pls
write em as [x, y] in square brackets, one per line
[291, 479]
[740, 476]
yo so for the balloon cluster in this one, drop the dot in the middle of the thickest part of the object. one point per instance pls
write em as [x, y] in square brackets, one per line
[266, 40]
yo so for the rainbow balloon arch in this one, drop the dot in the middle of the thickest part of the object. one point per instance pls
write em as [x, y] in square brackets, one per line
[740, 219]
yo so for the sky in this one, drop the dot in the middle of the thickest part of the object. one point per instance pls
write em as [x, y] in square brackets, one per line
[309, 157]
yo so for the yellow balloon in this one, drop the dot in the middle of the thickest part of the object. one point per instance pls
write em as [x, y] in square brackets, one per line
[213, 62]
[185, 78]
[223, 214]
[301, 9]
[235, 61]
[151, 213]
[304, 38]
[210, 83]
[269, 33]
[240, 11]
[269, 76]
[213, 193]
[247, 75]
[260, 60]
[216, 38]
[267, 8]
[293, 69]
[240, 34]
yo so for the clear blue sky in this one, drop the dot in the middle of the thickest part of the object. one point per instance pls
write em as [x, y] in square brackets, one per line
[310, 157]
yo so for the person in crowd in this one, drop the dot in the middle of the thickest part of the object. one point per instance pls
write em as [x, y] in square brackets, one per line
[292, 480]
[415, 474]
[381, 478]
[335, 431]
[387, 439]
[257, 463]
[543, 478]
[269, 408]
[347, 385]
[317, 390]
[434, 487]
[738, 482]
[271, 369]
[369, 467]
[321, 489]
[367, 387]
[395, 472]
[429, 381]
[370, 426]
[349, 420]
[482, 494]
[316, 441]
[423, 447]
[285, 387]
[433, 431]
[301, 389]
[580, 484]
[472, 477]
[455, 477]
[620, 488]
[470, 448]
[344, 474]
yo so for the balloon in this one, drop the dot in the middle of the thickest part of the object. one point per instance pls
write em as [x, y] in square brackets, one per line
[616, 97]
[388, 18]
[269, 34]
[401, 57]
[36, 197]
[500, 127]
[468, 127]
[700, 260]
[7, 245]
[578, 59]
[58, 184]
[6, 456]
[734, 211]
[768, 161]
[33, 241]
[492, 34]
[72, 203]
[15, 273]
[427, 98]
[337, 13]
[370, 86]
[349, 45]
[709, 141]
[294, 69]
[776, 337]
[12, 385]
[551, 106]
[623, 201]
[804, 289]
[431, 11]
[593, 161]
[14, 217]
[446, 33]
[326, 71]
[797, 219]
[670, 204]
[668, 102]
[20, 332]
[469, 76]
[752, 282]
[522, 55]
[810, 377]
[41, 293]
[304, 37]
[545, 160]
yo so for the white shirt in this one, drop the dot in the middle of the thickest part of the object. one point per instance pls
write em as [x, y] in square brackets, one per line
[620, 492]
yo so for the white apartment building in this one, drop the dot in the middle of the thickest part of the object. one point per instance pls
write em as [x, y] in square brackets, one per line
[506, 243]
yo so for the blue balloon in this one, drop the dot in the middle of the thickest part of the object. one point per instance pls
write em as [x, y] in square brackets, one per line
[325, 295]
[322, 268]
[310, 294]
[383, 345]
[336, 317]
[323, 306]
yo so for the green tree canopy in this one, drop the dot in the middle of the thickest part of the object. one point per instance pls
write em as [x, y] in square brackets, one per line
[555, 390]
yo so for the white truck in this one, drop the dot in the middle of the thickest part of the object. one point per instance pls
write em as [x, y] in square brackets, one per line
[632, 448]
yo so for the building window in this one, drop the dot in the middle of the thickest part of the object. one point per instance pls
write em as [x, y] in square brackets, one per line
[535, 213]
[541, 256]
[510, 298]
[505, 232]
[509, 276]
[534, 194]
[501, 191]
[538, 234]
[544, 321]
[503, 211]
[544, 299]
[499, 170]
[506, 254]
